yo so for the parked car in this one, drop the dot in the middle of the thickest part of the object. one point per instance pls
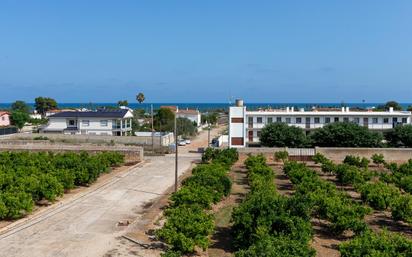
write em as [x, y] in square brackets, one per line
[188, 141]
[181, 142]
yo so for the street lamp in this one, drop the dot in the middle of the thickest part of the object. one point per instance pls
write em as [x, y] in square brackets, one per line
[176, 153]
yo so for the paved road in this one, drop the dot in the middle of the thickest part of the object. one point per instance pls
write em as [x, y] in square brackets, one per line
[88, 226]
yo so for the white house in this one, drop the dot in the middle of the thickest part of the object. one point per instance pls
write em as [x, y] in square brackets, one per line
[106, 122]
[245, 126]
[192, 115]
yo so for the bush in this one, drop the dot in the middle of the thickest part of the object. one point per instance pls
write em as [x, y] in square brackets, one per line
[345, 134]
[356, 161]
[377, 244]
[186, 227]
[400, 136]
[281, 135]
[402, 208]
[378, 195]
[281, 156]
[347, 174]
[378, 159]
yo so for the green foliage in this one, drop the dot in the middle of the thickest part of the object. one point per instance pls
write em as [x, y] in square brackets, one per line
[379, 195]
[348, 174]
[378, 159]
[281, 156]
[122, 103]
[400, 136]
[281, 135]
[319, 158]
[164, 120]
[20, 106]
[186, 127]
[281, 246]
[140, 97]
[171, 253]
[186, 227]
[266, 223]
[29, 177]
[346, 134]
[402, 208]
[382, 244]
[19, 119]
[44, 104]
[356, 161]
[395, 105]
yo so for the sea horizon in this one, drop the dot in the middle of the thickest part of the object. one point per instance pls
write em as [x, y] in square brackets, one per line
[211, 106]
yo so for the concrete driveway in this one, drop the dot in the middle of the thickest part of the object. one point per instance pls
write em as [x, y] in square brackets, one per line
[88, 226]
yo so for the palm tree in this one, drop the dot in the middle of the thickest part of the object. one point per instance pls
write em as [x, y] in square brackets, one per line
[140, 97]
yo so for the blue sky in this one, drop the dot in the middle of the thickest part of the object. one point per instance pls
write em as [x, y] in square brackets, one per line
[206, 51]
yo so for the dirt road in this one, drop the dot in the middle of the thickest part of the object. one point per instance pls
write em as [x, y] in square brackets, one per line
[88, 226]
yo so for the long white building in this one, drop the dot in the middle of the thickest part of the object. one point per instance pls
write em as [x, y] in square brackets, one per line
[245, 126]
[107, 123]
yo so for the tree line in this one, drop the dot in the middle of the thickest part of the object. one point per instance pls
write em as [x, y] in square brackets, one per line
[339, 134]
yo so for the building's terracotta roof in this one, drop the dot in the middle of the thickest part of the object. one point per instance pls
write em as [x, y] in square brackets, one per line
[170, 107]
[4, 113]
[188, 111]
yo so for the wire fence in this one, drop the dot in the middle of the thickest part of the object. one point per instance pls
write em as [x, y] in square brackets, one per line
[7, 130]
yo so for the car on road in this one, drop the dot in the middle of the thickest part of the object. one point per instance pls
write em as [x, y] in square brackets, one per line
[187, 141]
[181, 142]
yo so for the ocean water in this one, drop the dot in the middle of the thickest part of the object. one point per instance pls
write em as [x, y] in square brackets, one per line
[211, 106]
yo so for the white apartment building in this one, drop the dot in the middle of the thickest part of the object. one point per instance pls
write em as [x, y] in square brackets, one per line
[106, 122]
[245, 126]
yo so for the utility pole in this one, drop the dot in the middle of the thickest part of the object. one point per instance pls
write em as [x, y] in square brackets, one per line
[208, 135]
[151, 108]
[176, 153]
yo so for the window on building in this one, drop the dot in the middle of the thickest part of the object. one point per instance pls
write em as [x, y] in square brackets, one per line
[270, 120]
[278, 119]
[345, 119]
[298, 120]
[288, 120]
[258, 133]
[72, 122]
[375, 120]
[317, 120]
[85, 123]
[404, 120]
[250, 120]
[3, 118]
[259, 120]
[336, 119]
[395, 120]
[103, 123]
[356, 120]
[386, 120]
[327, 120]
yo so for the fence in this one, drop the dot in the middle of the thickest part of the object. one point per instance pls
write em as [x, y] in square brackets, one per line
[8, 130]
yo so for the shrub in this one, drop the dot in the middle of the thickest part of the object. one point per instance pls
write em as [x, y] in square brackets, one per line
[281, 156]
[377, 244]
[356, 161]
[347, 174]
[400, 136]
[378, 195]
[194, 195]
[186, 227]
[402, 208]
[378, 159]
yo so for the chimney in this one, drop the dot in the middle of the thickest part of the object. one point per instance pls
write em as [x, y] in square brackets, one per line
[347, 109]
[287, 109]
[292, 109]
[390, 109]
[343, 109]
[239, 102]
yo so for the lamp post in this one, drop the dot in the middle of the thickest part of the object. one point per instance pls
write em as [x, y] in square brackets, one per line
[208, 135]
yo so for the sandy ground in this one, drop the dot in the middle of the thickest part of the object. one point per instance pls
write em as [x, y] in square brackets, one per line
[89, 225]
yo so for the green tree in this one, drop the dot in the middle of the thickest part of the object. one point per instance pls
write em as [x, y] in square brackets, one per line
[140, 97]
[164, 120]
[400, 136]
[185, 127]
[345, 134]
[281, 135]
[20, 106]
[19, 118]
[122, 103]
[44, 104]
[396, 106]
